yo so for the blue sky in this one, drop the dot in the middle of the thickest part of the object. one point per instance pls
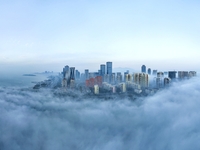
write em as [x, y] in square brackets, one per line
[46, 35]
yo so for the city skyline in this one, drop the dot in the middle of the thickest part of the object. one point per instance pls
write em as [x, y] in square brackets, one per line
[39, 36]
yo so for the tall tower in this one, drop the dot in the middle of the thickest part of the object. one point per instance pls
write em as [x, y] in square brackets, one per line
[72, 73]
[143, 69]
[109, 68]
[65, 71]
[142, 79]
[172, 75]
[86, 74]
[102, 69]
[166, 81]
[149, 71]
[154, 72]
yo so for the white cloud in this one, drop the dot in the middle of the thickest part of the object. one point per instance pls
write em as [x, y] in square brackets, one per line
[167, 120]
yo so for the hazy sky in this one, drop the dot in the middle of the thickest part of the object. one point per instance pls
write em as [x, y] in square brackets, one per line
[46, 35]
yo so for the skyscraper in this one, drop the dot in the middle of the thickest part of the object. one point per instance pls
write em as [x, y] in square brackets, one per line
[143, 69]
[109, 68]
[142, 79]
[160, 74]
[149, 71]
[172, 75]
[77, 74]
[154, 72]
[166, 81]
[119, 77]
[72, 73]
[103, 69]
[86, 74]
[113, 78]
[65, 70]
[183, 75]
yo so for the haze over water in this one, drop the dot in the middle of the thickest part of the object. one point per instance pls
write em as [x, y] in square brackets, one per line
[19, 80]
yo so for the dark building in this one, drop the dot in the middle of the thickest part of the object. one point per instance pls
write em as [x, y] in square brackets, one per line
[99, 72]
[65, 70]
[72, 73]
[166, 82]
[172, 75]
[149, 71]
[77, 74]
[102, 69]
[143, 69]
[109, 68]
[125, 74]
[155, 72]
[86, 74]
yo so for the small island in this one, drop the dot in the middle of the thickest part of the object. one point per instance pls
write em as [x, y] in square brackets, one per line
[29, 75]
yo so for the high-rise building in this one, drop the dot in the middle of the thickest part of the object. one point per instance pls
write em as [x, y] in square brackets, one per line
[98, 80]
[72, 73]
[166, 81]
[109, 68]
[64, 82]
[96, 89]
[123, 87]
[192, 74]
[65, 71]
[125, 76]
[183, 75]
[119, 77]
[99, 72]
[172, 75]
[154, 72]
[142, 79]
[160, 74]
[106, 78]
[128, 77]
[77, 74]
[86, 74]
[149, 71]
[102, 69]
[159, 82]
[113, 78]
[143, 69]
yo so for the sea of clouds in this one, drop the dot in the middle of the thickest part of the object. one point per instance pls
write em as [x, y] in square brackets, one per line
[41, 120]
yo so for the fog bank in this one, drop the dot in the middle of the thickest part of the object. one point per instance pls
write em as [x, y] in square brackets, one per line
[42, 121]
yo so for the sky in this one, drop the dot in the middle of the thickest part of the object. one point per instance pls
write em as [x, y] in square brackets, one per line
[47, 35]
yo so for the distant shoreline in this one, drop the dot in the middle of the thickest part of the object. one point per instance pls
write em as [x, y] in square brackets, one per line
[29, 75]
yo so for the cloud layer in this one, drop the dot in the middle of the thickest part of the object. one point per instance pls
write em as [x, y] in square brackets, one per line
[40, 120]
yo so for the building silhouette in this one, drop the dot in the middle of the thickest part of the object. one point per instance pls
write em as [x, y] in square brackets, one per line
[172, 75]
[149, 71]
[86, 74]
[72, 73]
[102, 69]
[143, 69]
[154, 72]
[109, 68]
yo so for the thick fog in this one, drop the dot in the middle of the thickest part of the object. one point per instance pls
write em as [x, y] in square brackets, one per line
[40, 120]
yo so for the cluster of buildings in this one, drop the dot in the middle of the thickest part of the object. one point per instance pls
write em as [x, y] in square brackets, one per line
[105, 80]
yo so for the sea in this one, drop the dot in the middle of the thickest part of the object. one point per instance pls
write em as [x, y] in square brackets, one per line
[22, 80]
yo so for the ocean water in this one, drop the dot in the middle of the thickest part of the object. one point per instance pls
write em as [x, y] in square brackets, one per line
[19, 80]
